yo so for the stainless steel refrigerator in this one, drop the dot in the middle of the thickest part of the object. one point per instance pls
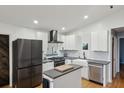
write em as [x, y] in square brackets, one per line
[27, 63]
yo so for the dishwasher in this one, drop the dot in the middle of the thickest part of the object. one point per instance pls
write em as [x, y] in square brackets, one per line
[95, 72]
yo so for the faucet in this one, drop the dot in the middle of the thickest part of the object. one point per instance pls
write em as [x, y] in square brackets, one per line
[84, 55]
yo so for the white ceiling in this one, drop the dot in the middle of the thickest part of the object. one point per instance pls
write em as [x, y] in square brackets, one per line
[54, 17]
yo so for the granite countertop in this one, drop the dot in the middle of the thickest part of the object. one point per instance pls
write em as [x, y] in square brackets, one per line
[90, 60]
[55, 74]
[46, 61]
[98, 61]
[72, 58]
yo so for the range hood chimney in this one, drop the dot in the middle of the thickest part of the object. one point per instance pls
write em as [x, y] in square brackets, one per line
[53, 37]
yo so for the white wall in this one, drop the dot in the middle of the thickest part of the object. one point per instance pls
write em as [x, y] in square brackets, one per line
[15, 32]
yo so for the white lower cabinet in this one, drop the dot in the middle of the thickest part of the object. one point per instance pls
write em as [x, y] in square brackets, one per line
[84, 70]
[48, 66]
[67, 61]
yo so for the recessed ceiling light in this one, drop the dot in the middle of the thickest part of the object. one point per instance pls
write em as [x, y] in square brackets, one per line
[35, 22]
[86, 16]
[63, 28]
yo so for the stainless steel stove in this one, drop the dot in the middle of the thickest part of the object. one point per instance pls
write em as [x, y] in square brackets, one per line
[58, 61]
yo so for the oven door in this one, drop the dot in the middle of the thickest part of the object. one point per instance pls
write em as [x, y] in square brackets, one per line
[59, 63]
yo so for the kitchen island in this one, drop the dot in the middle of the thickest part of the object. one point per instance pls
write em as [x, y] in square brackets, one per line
[68, 79]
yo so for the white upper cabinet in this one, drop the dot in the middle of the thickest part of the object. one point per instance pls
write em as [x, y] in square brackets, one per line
[94, 41]
[44, 37]
[70, 42]
[99, 41]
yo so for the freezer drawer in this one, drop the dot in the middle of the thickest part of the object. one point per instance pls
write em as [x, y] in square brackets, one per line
[24, 78]
[96, 73]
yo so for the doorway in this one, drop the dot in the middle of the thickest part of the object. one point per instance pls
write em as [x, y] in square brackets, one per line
[118, 52]
[121, 53]
[4, 60]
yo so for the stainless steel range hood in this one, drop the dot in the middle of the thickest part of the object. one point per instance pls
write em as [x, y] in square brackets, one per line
[53, 37]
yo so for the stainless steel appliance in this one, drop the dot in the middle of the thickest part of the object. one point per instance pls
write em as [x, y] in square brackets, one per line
[96, 72]
[27, 63]
[53, 37]
[58, 61]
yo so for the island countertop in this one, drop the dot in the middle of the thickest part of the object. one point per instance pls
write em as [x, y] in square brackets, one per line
[55, 74]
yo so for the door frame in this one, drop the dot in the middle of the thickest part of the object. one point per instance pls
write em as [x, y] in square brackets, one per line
[8, 55]
[114, 52]
[113, 57]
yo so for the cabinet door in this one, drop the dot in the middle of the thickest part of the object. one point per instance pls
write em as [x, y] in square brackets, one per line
[103, 41]
[67, 61]
[78, 42]
[72, 42]
[24, 78]
[99, 41]
[62, 39]
[94, 41]
[65, 42]
[84, 72]
[44, 37]
[48, 66]
[36, 52]
[24, 53]
[69, 42]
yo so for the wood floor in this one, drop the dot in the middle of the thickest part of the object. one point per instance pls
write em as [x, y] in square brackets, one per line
[118, 82]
